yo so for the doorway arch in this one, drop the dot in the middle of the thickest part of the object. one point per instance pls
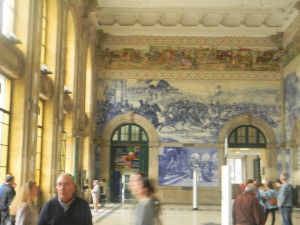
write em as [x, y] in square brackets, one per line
[247, 119]
[106, 143]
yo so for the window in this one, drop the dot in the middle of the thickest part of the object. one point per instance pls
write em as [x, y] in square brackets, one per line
[44, 32]
[8, 16]
[39, 143]
[298, 158]
[5, 94]
[130, 132]
[236, 170]
[41, 103]
[248, 137]
[63, 152]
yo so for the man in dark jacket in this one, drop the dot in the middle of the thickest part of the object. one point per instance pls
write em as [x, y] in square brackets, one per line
[7, 195]
[66, 208]
[246, 209]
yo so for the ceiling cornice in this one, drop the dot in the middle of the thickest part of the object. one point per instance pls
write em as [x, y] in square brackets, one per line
[193, 18]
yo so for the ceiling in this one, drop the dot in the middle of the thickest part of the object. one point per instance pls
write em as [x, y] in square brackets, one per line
[194, 18]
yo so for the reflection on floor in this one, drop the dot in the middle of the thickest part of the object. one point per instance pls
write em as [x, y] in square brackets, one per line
[172, 214]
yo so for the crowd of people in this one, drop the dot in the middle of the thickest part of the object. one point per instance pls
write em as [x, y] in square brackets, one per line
[251, 207]
[66, 207]
[257, 201]
[21, 208]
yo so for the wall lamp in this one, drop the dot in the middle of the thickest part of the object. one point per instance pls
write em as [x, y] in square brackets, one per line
[45, 70]
[67, 90]
[12, 38]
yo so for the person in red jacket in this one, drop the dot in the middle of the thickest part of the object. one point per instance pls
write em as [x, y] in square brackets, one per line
[246, 209]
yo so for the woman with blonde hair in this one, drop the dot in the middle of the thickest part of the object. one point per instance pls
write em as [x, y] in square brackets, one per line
[23, 207]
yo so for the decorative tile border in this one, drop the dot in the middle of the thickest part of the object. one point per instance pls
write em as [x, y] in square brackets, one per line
[190, 75]
[241, 42]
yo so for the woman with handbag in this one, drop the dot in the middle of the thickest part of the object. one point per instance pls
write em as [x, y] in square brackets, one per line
[23, 208]
[271, 201]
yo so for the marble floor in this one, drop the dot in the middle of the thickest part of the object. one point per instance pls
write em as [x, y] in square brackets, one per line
[172, 214]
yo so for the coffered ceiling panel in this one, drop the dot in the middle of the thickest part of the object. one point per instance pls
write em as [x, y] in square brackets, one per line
[196, 18]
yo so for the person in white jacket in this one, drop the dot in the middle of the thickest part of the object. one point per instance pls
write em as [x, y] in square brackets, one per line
[96, 194]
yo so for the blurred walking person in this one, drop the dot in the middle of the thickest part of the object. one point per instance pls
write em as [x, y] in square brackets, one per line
[148, 208]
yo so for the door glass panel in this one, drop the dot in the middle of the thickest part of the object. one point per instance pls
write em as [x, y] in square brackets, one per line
[135, 133]
[124, 133]
[236, 170]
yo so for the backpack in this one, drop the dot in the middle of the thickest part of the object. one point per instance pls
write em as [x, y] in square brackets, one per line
[294, 196]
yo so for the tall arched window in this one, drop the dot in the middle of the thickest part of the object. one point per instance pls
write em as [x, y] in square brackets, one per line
[44, 33]
[70, 153]
[88, 107]
[41, 101]
[8, 16]
[5, 95]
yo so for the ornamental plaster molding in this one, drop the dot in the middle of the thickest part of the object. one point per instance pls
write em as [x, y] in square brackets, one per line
[46, 87]
[265, 42]
[68, 104]
[189, 75]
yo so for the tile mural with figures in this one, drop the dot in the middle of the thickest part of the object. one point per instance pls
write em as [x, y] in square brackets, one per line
[176, 166]
[188, 111]
[292, 102]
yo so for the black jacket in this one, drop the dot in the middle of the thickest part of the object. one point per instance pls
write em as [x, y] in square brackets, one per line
[78, 213]
[7, 195]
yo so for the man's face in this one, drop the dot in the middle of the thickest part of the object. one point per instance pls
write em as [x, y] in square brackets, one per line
[65, 188]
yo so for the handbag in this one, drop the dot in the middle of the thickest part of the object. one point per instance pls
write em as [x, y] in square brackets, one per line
[273, 201]
[11, 220]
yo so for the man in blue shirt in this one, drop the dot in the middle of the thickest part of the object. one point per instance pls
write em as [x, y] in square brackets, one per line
[285, 201]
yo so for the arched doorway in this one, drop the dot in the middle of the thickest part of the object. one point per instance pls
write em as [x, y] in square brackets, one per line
[129, 154]
[264, 144]
[247, 146]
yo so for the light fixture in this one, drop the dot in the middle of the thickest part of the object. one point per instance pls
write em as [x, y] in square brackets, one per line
[67, 90]
[45, 70]
[12, 38]
[244, 149]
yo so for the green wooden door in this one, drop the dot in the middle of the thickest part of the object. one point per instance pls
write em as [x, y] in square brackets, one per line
[129, 154]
